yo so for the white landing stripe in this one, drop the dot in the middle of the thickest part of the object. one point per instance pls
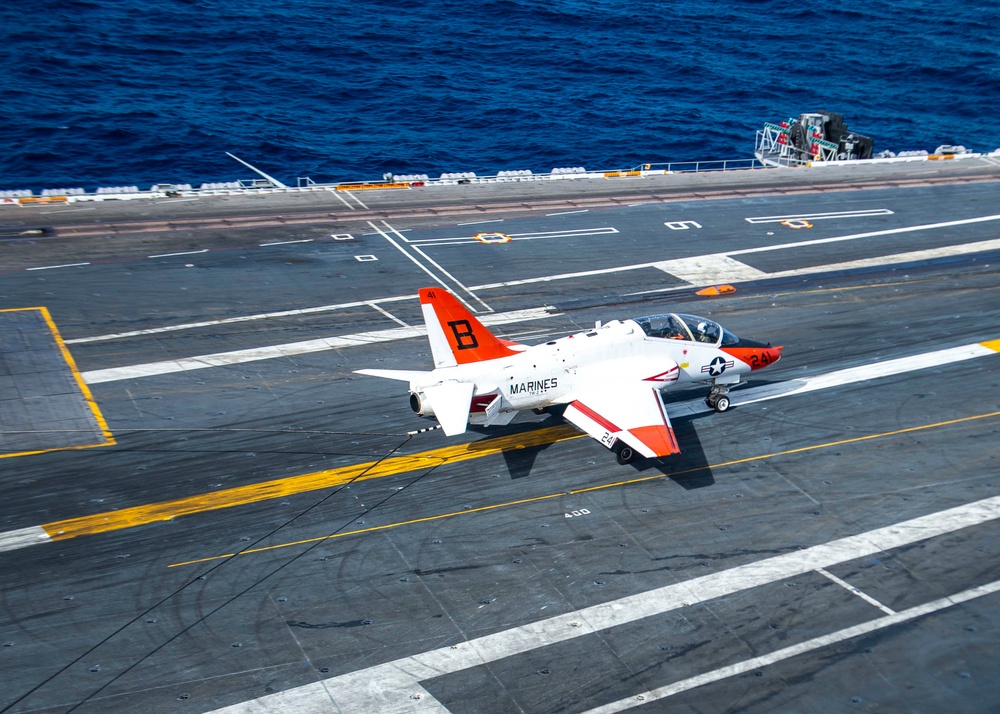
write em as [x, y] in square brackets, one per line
[394, 686]
[12, 540]
[851, 589]
[913, 256]
[292, 349]
[860, 373]
[803, 647]
[174, 255]
[870, 234]
[286, 242]
[242, 318]
[568, 213]
[704, 269]
[53, 267]
[821, 216]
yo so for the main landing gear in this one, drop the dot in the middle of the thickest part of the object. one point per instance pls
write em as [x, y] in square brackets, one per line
[623, 453]
[717, 398]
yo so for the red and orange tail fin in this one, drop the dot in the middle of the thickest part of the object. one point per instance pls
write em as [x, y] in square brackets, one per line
[456, 336]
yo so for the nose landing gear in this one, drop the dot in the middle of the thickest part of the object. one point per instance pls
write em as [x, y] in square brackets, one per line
[717, 398]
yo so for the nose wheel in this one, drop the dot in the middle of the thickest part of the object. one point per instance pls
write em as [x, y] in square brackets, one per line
[717, 398]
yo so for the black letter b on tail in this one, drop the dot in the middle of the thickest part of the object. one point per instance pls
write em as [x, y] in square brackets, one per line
[464, 338]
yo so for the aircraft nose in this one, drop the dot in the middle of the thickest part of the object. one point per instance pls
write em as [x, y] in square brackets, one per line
[755, 354]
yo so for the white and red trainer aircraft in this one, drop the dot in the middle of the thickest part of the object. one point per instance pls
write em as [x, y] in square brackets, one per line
[609, 378]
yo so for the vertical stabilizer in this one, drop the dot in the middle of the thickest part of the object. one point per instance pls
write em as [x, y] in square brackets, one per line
[456, 336]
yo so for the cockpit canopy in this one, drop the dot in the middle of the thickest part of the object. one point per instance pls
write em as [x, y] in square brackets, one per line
[673, 326]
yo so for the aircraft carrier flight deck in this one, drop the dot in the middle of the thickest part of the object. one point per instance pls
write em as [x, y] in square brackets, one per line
[206, 510]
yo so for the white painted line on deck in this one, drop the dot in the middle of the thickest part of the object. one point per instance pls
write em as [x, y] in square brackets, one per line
[851, 589]
[567, 213]
[453, 278]
[861, 373]
[928, 254]
[402, 250]
[467, 240]
[172, 255]
[242, 318]
[870, 234]
[343, 200]
[351, 195]
[816, 643]
[719, 259]
[53, 267]
[287, 242]
[479, 223]
[387, 314]
[710, 269]
[22, 538]
[427, 270]
[864, 213]
[391, 687]
[221, 359]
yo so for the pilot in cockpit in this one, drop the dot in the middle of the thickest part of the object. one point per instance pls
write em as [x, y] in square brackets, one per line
[706, 331]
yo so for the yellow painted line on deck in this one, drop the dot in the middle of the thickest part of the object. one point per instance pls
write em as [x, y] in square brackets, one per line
[600, 487]
[109, 439]
[992, 345]
[278, 488]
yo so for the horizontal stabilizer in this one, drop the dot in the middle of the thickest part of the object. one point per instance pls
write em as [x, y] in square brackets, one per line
[403, 375]
[450, 402]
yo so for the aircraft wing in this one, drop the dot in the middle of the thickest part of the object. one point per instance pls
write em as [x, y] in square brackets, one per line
[632, 412]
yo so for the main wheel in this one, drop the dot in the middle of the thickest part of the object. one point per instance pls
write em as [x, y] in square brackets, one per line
[624, 454]
[722, 404]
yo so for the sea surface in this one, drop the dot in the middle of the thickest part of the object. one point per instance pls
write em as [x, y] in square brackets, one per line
[134, 92]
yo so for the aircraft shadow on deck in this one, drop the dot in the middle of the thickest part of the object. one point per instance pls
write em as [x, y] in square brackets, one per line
[519, 459]
[689, 469]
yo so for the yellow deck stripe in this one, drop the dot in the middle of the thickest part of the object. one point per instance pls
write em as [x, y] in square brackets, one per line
[992, 345]
[588, 489]
[278, 488]
[109, 439]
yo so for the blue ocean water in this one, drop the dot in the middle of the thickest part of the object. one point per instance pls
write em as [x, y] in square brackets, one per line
[137, 92]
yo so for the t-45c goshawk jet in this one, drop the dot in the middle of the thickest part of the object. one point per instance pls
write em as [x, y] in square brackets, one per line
[609, 378]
